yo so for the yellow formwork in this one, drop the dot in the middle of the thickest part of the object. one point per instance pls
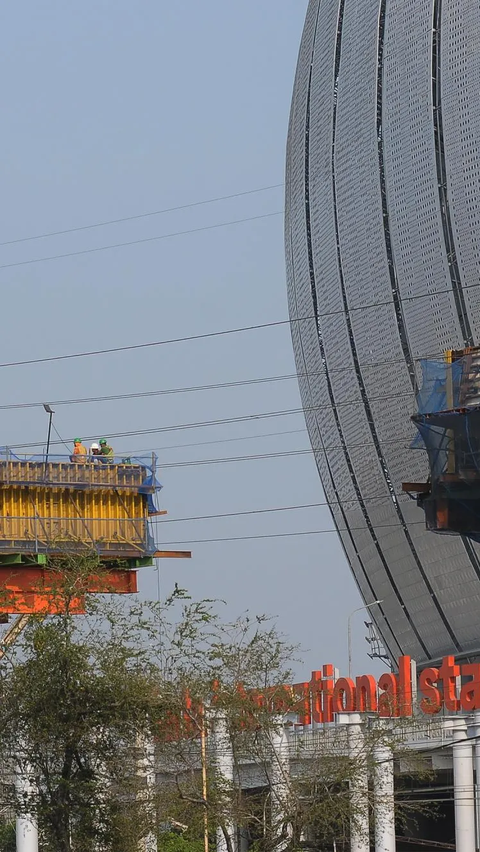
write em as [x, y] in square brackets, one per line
[51, 515]
[31, 472]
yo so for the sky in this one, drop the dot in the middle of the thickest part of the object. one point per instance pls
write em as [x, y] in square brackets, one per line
[117, 109]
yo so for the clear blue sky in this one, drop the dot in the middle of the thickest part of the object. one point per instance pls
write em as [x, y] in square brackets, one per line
[112, 109]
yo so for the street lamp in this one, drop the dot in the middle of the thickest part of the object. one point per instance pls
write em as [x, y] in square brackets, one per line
[349, 628]
[50, 413]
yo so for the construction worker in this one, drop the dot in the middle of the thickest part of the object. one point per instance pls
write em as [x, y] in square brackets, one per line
[106, 452]
[95, 453]
[79, 452]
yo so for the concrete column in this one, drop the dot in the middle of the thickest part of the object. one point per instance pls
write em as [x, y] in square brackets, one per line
[279, 778]
[359, 822]
[26, 826]
[474, 732]
[463, 790]
[224, 764]
[384, 798]
[146, 772]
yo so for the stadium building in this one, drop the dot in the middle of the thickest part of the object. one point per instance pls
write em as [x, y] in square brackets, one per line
[383, 265]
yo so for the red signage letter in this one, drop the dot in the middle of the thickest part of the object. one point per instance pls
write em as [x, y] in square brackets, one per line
[448, 674]
[432, 702]
[344, 696]
[470, 694]
[366, 693]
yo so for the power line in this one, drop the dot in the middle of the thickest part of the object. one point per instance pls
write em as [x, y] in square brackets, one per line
[277, 455]
[223, 332]
[179, 427]
[141, 215]
[217, 441]
[124, 244]
[165, 342]
[207, 423]
[204, 336]
[282, 535]
[160, 521]
[146, 394]
[191, 389]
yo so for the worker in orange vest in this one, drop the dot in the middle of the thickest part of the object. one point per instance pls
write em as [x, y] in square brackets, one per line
[79, 452]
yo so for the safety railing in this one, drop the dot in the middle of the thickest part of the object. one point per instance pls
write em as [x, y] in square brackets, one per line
[86, 471]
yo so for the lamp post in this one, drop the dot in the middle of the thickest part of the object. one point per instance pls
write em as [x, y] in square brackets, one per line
[50, 413]
[349, 630]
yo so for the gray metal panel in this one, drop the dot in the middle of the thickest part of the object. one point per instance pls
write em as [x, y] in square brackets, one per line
[367, 231]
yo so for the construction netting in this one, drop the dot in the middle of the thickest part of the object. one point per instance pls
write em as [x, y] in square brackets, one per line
[448, 422]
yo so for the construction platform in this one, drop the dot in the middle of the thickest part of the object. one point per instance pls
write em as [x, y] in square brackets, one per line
[50, 507]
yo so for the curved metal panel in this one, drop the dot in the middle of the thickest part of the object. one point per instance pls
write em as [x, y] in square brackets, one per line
[381, 270]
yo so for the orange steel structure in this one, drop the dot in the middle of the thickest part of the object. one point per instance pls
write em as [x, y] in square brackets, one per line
[57, 507]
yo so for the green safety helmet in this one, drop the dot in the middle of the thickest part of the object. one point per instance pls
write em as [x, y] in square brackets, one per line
[77, 440]
[102, 441]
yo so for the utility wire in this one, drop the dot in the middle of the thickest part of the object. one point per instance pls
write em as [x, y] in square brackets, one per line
[178, 427]
[192, 389]
[140, 241]
[131, 347]
[211, 334]
[207, 423]
[271, 510]
[278, 455]
[218, 441]
[141, 215]
[335, 530]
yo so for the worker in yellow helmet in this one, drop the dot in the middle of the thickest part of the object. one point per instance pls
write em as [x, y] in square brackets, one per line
[79, 452]
[106, 452]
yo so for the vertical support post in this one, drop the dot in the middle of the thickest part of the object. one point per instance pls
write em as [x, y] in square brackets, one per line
[25, 825]
[203, 744]
[450, 403]
[384, 798]
[359, 820]
[474, 732]
[223, 757]
[146, 772]
[279, 781]
[463, 791]
[50, 413]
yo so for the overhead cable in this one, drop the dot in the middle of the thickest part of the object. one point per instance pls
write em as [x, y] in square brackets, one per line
[191, 337]
[277, 455]
[218, 441]
[205, 424]
[141, 215]
[192, 389]
[154, 343]
[126, 243]
[334, 530]
[270, 510]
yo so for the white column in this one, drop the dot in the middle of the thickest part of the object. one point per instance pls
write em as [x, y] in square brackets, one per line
[26, 826]
[279, 778]
[463, 792]
[359, 822]
[474, 732]
[224, 764]
[384, 798]
[146, 772]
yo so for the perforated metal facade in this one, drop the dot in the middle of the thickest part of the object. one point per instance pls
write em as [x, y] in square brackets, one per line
[383, 265]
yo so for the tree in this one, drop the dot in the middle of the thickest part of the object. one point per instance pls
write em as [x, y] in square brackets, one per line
[299, 795]
[79, 696]
[84, 697]
[7, 836]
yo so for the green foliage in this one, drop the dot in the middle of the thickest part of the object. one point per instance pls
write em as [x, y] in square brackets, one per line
[7, 837]
[171, 842]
